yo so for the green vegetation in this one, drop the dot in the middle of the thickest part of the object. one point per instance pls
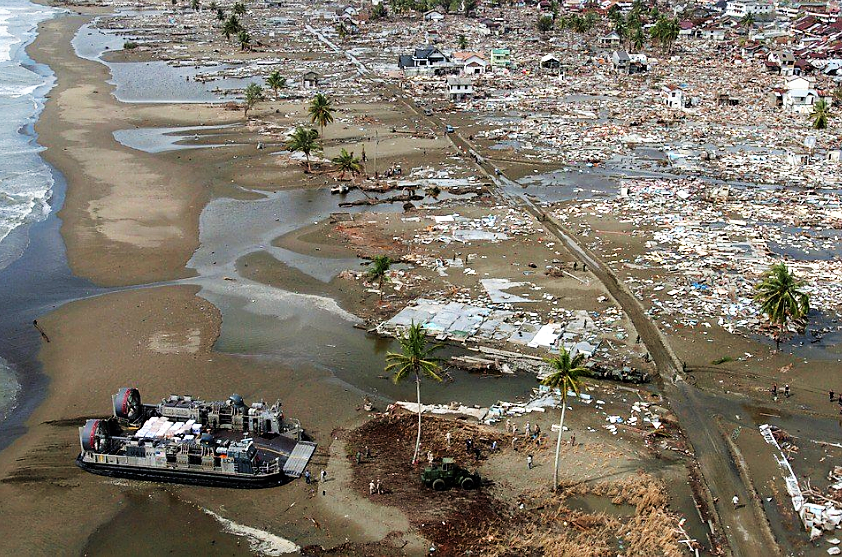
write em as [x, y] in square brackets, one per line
[462, 42]
[231, 27]
[781, 299]
[379, 11]
[321, 112]
[545, 24]
[244, 39]
[665, 32]
[129, 45]
[239, 9]
[722, 360]
[254, 94]
[567, 374]
[276, 82]
[416, 359]
[378, 270]
[303, 140]
[347, 162]
[820, 114]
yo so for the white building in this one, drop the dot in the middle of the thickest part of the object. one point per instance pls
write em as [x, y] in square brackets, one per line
[799, 95]
[459, 88]
[741, 8]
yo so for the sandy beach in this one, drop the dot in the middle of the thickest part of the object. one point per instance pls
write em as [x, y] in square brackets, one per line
[221, 265]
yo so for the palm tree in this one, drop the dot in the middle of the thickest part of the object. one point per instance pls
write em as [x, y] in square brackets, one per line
[245, 39]
[665, 32]
[545, 24]
[416, 358]
[379, 267]
[220, 15]
[254, 94]
[240, 9]
[747, 21]
[304, 140]
[462, 42]
[781, 299]
[638, 38]
[213, 6]
[231, 27]
[321, 111]
[347, 162]
[820, 114]
[566, 376]
[276, 82]
[195, 5]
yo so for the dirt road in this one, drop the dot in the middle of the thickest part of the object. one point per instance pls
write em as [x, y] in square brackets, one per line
[745, 527]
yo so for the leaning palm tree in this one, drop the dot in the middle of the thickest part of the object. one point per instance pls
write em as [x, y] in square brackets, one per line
[347, 162]
[820, 114]
[566, 376]
[378, 271]
[303, 140]
[239, 9]
[276, 82]
[220, 15]
[321, 111]
[245, 39]
[415, 359]
[781, 298]
[253, 95]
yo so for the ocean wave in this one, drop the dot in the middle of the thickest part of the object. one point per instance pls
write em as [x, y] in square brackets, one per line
[9, 389]
[26, 181]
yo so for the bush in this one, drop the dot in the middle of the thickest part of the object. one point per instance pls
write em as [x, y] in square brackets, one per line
[129, 45]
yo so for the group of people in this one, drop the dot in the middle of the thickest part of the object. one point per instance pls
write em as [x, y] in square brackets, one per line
[375, 487]
[531, 433]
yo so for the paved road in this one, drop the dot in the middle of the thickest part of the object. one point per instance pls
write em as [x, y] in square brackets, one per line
[745, 528]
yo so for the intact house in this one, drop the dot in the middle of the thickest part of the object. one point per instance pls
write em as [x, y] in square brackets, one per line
[310, 80]
[673, 96]
[781, 62]
[550, 62]
[611, 40]
[629, 64]
[797, 95]
[501, 58]
[426, 59]
[472, 63]
[433, 15]
[459, 88]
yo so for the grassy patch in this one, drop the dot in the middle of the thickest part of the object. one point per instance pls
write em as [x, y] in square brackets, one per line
[722, 360]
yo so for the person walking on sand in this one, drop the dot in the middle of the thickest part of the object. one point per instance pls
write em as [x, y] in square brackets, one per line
[508, 425]
[323, 475]
[514, 443]
[367, 452]
[378, 488]
[359, 457]
[494, 446]
[448, 438]
[371, 488]
[529, 461]
[528, 429]
[736, 501]
[831, 393]
[786, 390]
[774, 390]
[307, 476]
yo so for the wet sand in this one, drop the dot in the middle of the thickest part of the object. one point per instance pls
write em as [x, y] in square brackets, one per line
[123, 231]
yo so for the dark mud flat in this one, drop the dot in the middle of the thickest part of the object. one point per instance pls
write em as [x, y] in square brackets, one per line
[181, 531]
[35, 284]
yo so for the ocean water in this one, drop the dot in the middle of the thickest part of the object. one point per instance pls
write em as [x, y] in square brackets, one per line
[26, 181]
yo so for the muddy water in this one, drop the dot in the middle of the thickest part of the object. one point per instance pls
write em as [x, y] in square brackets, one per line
[304, 329]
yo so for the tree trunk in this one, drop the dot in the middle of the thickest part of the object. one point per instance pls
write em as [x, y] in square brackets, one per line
[558, 444]
[307, 156]
[418, 439]
[380, 288]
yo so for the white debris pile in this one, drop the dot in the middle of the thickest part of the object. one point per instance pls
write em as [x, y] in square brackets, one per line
[717, 242]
